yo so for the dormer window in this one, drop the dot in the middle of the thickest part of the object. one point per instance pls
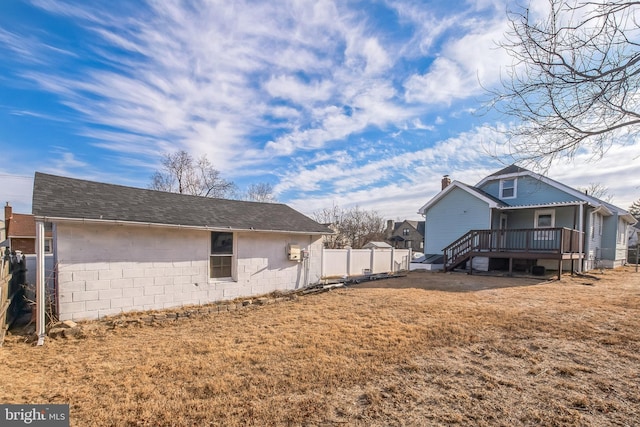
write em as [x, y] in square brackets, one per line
[508, 188]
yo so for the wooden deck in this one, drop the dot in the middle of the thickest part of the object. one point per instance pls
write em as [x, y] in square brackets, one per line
[549, 243]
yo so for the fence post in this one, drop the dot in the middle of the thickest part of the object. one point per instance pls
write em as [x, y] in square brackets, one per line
[372, 261]
[393, 258]
[348, 262]
[40, 282]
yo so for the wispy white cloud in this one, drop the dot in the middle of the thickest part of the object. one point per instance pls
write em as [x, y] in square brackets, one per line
[329, 101]
[463, 66]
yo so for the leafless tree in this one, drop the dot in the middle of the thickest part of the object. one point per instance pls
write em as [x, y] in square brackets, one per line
[574, 81]
[331, 217]
[261, 192]
[354, 227]
[182, 174]
[598, 191]
[634, 209]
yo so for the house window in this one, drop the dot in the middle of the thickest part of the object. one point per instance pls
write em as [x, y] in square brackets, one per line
[544, 219]
[221, 258]
[48, 246]
[405, 232]
[508, 188]
[596, 224]
[623, 233]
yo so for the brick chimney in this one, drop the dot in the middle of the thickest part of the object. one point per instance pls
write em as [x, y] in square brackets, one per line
[445, 181]
[389, 230]
[8, 212]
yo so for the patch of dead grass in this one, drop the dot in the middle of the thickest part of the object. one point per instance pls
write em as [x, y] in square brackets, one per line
[557, 353]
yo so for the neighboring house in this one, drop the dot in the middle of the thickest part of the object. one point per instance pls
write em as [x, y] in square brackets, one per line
[120, 249]
[406, 235]
[20, 232]
[377, 245]
[517, 218]
[634, 237]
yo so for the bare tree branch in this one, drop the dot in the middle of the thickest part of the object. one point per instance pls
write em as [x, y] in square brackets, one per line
[574, 81]
[598, 191]
[354, 227]
[261, 192]
[181, 174]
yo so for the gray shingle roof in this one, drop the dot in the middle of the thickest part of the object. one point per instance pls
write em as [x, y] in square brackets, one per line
[60, 197]
[509, 170]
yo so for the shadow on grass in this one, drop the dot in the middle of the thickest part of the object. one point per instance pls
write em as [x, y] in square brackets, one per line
[458, 281]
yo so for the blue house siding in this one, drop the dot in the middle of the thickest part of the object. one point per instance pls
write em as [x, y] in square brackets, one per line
[460, 208]
[565, 216]
[455, 214]
[609, 235]
[614, 248]
[529, 191]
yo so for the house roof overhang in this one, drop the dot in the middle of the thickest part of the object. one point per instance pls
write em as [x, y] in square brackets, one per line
[579, 195]
[59, 220]
[603, 207]
[457, 184]
[58, 199]
[542, 206]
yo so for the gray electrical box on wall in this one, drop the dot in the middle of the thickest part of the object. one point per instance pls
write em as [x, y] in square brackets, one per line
[293, 252]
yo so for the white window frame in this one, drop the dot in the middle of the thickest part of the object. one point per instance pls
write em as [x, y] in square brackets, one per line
[515, 188]
[600, 223]
[48, 245]
[231, 255]
[622, 235]
[597, 223]
[543, 235]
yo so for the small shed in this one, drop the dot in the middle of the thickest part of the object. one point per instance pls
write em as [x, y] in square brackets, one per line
[119, 249]
[377, 245]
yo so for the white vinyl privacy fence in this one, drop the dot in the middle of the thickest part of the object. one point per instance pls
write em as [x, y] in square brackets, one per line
[359, 262]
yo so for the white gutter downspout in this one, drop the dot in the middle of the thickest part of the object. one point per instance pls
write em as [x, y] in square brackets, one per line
[581, 240]
[40, 283]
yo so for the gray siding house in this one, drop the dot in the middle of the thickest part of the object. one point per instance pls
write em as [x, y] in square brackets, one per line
[518, 216]
[405, 235]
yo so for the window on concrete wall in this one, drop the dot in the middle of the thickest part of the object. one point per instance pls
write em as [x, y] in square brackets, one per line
[221, 258]
[508, 188]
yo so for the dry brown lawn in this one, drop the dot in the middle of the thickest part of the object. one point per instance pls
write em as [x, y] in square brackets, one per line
[487, 352]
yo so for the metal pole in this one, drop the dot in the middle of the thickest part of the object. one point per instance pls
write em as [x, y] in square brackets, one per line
[40, 283]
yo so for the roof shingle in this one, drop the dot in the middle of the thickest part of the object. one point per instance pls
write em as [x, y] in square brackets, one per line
[61, 197]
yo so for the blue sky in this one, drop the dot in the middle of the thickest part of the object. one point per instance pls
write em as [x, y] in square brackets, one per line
[340, 103]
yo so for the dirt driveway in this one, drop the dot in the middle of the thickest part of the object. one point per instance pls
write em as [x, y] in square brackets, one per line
[453, 281]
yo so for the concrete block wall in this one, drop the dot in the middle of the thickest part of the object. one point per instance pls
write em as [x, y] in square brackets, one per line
[109, 269]
[263, 264]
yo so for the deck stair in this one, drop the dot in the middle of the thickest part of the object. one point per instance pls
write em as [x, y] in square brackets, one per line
[548, 243]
